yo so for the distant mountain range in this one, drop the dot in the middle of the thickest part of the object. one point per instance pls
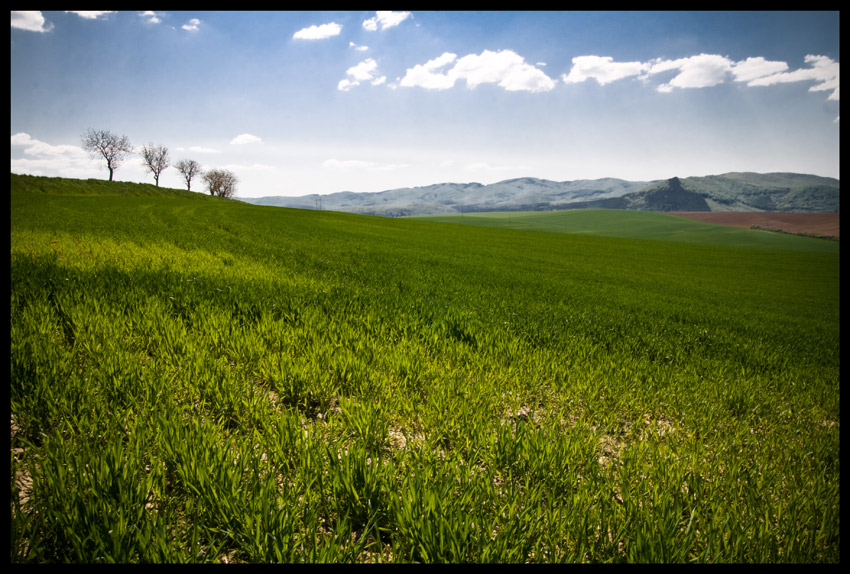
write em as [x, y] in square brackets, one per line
[728, 192]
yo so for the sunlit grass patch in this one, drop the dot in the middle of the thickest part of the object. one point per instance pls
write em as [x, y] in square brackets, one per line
[209, 381]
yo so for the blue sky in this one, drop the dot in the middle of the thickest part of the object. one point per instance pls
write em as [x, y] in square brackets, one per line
[318, 102]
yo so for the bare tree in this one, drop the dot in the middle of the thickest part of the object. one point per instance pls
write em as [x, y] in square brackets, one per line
[105, 144]
[156, 159]
[190, 169]
[220, 182]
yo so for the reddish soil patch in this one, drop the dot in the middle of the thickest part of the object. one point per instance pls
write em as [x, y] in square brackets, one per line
[807, 223]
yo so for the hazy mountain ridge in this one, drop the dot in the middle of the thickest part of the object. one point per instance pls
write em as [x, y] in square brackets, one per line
[736, 191]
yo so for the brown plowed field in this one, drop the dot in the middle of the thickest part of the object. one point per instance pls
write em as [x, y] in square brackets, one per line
[810, 223]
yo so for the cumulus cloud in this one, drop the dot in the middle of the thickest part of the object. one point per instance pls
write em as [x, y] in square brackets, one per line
[429, 76]
[150, 17]
[21, 139]
[192, 25]
[505, 68]
[365, 71]
[823, 70]
[385, 19]
[700, 71]
[753, 68]
[706, 70]
[318, 32]
[32, 21]
[39, 148]
[41, 158]
[357, 47]
[242, 139]
[603, 69]
[91, 14]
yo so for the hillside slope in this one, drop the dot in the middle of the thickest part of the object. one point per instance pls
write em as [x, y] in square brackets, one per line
[70, 186]
[201, 380]
[652, 225]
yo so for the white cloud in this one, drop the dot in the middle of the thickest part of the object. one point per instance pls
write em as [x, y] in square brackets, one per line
[91, 14]
[192, 25]
[752, 68]
[823, 70]
[365, 71]
[41, 158]
[706, 70]
[21, 139]
[427, 75]
[504, 68]
[385, 19]
[700, 71]
[150, 17]
[41, 149]
[603, 69]
[242, 139]
[32, 21]
[318, 32]
[358, 48]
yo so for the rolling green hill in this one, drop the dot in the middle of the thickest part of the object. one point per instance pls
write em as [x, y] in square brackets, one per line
[637, 225]
[194, 379]
[68, 186]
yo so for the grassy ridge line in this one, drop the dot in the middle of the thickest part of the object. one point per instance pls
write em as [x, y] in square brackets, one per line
[69, 186]
[198, 381]
[636, 225]
[605, 222]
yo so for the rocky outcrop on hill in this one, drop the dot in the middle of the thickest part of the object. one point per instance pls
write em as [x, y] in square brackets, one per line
[667, 196]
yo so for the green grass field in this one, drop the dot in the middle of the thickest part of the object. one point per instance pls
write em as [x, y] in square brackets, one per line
[636, 225]
[202, 380]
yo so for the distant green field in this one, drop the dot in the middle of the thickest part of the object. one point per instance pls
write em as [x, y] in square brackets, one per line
[636, 225]
[194, 379]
